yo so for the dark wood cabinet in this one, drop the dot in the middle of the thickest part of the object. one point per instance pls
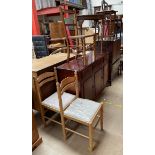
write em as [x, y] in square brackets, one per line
[86, 83]
[90, 76]
[98, 73]
[112, 49]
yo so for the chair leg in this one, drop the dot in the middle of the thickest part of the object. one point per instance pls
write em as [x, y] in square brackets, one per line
[90, 137]
[42, 116]
[68, 54]
[101, 119]
[63, 128]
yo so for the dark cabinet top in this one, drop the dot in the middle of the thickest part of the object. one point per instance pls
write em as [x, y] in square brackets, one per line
[78, 64]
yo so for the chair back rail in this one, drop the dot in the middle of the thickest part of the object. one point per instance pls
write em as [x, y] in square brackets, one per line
[41, 80]
[67, 81]
[45, 75]
[46, 80]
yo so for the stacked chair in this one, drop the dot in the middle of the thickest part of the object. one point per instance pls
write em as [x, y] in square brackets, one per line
[75, 41]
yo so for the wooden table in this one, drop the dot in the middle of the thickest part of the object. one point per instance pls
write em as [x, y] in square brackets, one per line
[91, 76]
[46, 62]
[43, 65]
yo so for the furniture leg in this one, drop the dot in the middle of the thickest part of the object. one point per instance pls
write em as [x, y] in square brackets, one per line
[90, 137]
[63, 127]
[42, 116]
[101, 119]
[68, 53]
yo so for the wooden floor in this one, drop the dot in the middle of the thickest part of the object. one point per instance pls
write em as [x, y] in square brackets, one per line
[109, 142]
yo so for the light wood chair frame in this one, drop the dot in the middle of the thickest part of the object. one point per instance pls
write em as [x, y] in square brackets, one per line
[98, 117]
[39, 81]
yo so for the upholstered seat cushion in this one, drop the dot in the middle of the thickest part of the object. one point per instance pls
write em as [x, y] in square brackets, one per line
[82, 109]
[53, 102]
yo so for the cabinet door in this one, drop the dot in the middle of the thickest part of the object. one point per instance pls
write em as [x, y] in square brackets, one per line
[98, 73]
[106, 75]
[98, 78]
[87, 84]
[88, 88]
[106, 69]
[115, 67]
[116, 50]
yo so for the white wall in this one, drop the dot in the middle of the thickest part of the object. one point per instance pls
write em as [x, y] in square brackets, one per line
[88, 11]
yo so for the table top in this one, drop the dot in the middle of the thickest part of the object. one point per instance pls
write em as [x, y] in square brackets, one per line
[39, 64]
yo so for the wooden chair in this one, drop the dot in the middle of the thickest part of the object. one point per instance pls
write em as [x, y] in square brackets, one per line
[83, 111]
[75, 43]
[51, 103]
[57, 37]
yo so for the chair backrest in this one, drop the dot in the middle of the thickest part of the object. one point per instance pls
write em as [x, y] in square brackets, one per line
[41, 80]
[56, 30]
[65, 85]
[69, 20]
[40, 45]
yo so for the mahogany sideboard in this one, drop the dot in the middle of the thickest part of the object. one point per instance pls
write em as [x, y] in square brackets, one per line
[42, 65]
[92, 77]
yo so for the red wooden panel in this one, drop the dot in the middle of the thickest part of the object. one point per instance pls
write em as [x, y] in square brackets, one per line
[35, 23]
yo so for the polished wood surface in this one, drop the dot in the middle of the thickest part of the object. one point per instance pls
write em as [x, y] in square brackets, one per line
[36, 140]
[90, 74]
